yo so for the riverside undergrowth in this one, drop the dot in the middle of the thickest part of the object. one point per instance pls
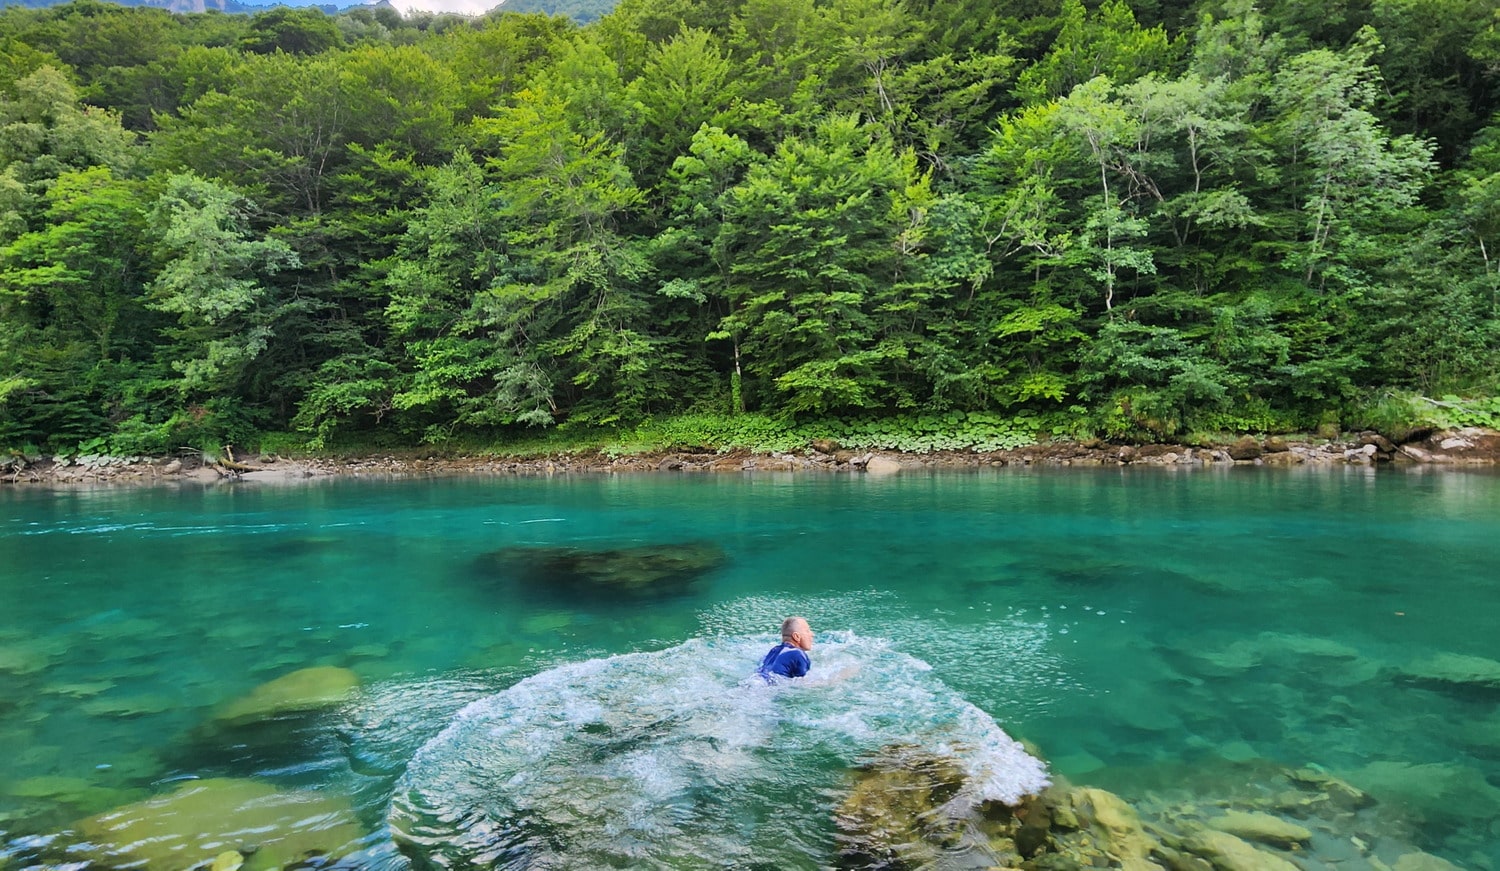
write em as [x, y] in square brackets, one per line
[1396, 415]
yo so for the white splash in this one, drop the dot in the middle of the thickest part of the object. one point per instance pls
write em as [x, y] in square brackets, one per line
[647, 759]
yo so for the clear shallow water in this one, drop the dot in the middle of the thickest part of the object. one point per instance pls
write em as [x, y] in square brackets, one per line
[1151, 631]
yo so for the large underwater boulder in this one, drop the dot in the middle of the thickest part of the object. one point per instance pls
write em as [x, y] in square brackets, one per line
[285, 721]
[199, 822]
[899, 813]
[303, 691]
[636, 572]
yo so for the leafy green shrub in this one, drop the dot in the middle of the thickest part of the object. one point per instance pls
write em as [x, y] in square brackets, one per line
[1396, 415]
[706, 431]
[947, 431]
[217, 422]
[1401, 414]
[718, 432]
[1250, 415]
[1453, 411]
[283, 443]
[135, 437]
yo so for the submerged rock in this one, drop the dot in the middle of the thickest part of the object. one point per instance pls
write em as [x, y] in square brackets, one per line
[1327, 661]
[23, 658]
[71, 795]
[1481, 737]
[79, 689]
[627, 572]
[300, 692]
[1229, 853]
[49, 786]
[200, 822]
[1454, 671]
[1423, 862]
[1265, 828]
[1327, 787]
[130, 707]
[901, 814]
[1118, 828]
[1432, 792]
[897, 814]
[286, 721]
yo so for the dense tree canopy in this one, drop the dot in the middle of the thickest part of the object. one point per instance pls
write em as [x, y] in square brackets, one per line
[1154, 216]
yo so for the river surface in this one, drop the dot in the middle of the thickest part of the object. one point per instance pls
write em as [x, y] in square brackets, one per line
[1159, 633]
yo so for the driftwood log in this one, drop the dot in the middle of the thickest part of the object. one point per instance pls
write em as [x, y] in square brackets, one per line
[229, 464]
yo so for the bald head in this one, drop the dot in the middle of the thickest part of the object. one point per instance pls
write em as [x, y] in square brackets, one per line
[795, 631]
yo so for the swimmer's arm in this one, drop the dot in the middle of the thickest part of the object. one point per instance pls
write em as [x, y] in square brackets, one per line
[826, 677]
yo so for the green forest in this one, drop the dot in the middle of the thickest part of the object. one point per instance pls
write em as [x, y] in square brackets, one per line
[1134, 220]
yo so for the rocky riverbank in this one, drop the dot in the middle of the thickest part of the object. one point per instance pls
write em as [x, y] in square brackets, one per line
[1471, 446]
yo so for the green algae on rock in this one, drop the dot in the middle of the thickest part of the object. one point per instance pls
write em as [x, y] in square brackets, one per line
[1326, 787]
[1454, 672]
[129, 707]
[896, 816]
[303, 691]
[1117, 827]
[1265, 828]
[1433, 792]
[635, 572]
[1423, 862]
[202, 820]
[1229, 853]
[23, 658]
[900, 813]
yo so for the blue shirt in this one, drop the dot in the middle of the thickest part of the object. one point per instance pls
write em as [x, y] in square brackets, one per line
[784, 660]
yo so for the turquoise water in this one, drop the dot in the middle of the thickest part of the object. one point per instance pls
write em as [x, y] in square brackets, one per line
[1168, 635]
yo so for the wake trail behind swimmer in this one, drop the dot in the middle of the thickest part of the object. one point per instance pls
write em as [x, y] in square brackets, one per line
[606, 762]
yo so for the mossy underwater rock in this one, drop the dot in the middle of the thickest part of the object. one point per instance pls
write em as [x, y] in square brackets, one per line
[1229, 853]
[74, 794]
[1264, 828]
[646, 571]
[307, 690]
[901, 813]
[23, 659]
[1446, 793]
[196, 825]
[895, 816]
[1117, 828]
[1454, 672]
[1423, 862]
[1323, 787]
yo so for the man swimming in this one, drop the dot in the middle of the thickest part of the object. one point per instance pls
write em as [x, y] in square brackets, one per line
[789, 658]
